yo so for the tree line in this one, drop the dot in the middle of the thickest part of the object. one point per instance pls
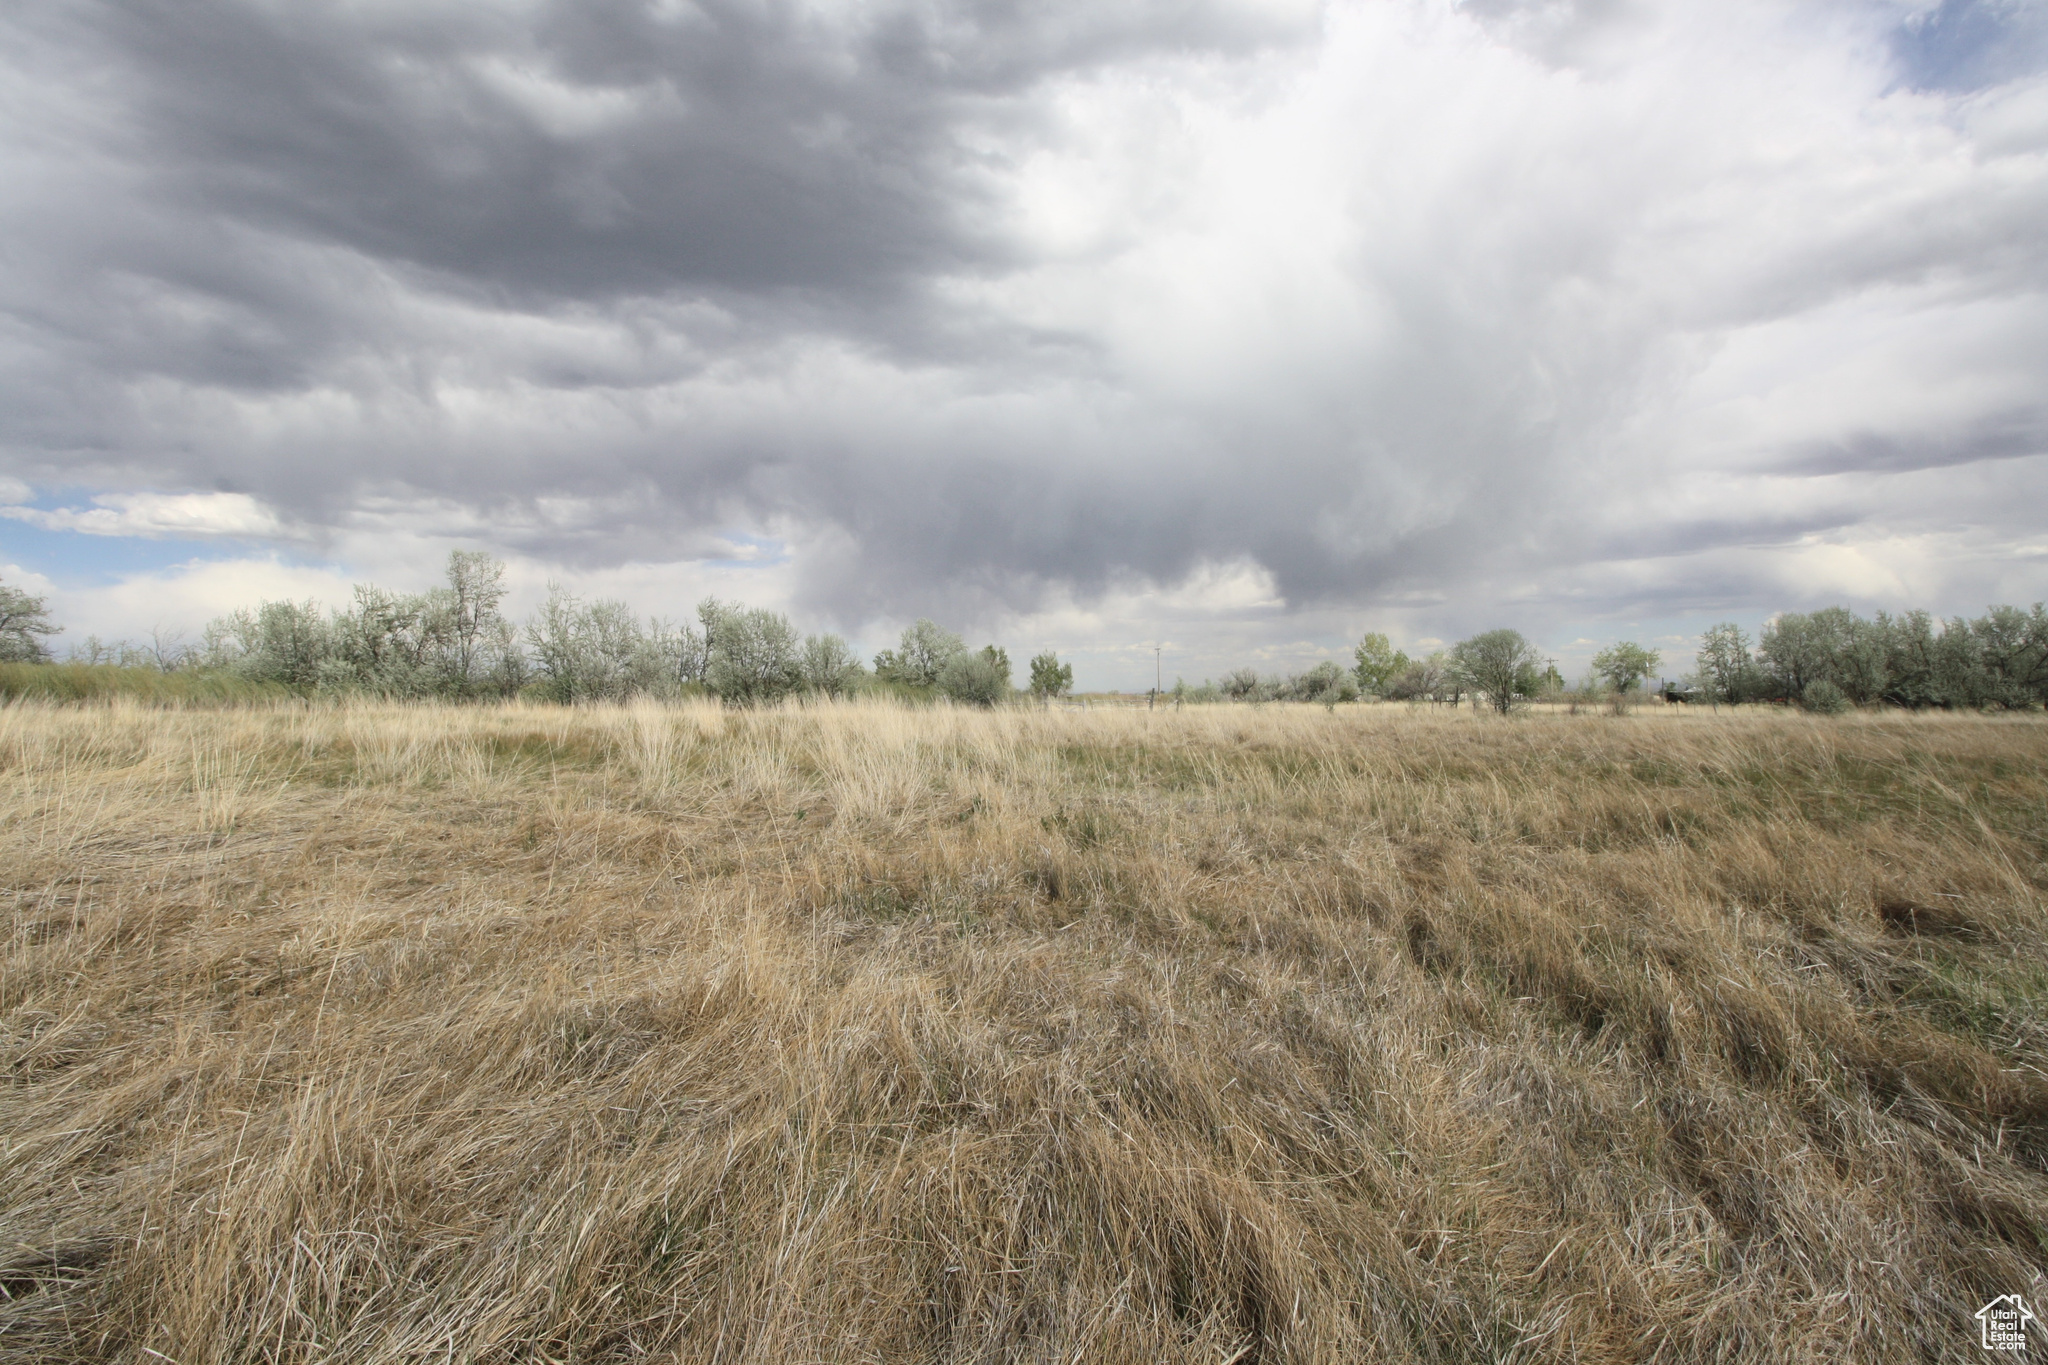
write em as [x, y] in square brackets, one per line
[1832, 659]
[1825, 661]
[454, 641]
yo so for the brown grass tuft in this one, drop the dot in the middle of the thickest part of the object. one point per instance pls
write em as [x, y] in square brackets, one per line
[861, 1033]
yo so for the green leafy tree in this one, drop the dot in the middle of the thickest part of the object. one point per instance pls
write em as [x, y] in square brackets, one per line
[1726, 671]
[1421, 679]
[1800, 649]
[920, 656]
[1626, 664]
[1928, 669]
[828, 665]
[753, 656]
[1379, 663]
[614, 650]
[24, 625]
[2013, 649]
[291, 643]
[558, 653]
[676, 656]
[1499, 666]
[384, 642]
[592, 652]
[1049, 677]
[477, 635]
[709, 612]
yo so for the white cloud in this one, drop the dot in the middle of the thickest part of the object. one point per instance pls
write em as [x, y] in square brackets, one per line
[181, 599]
[1430, 318]
[181, 516]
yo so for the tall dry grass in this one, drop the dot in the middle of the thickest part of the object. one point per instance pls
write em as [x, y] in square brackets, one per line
[873, 1034]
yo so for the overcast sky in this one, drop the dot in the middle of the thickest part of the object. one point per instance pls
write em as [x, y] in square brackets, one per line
[1236, 327]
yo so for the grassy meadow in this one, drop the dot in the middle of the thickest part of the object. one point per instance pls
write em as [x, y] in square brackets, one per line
[858, 1033]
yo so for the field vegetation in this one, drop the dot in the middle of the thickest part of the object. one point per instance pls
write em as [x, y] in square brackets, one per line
[74, 682]
[453, 643]
[852, 1032]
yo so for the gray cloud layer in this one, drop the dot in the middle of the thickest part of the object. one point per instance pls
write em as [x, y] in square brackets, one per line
[993, 303]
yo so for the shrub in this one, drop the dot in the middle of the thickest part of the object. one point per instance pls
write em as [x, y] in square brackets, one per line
[977, 679]
[1241, 684]
[1325, 683]
[1823, 698]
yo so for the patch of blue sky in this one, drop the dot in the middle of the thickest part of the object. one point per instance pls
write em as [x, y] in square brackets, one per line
[1965, 45]
[752, 552]
[78, 559]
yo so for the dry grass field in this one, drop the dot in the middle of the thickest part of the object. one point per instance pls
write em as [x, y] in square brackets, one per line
[381, 1033]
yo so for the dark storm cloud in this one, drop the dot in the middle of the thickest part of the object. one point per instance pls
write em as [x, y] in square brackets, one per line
[802, 167]
[1997, 436]
[591, 149]
[994, 302]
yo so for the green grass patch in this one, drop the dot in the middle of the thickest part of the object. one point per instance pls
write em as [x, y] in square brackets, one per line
[104, 682]
[1986, 995]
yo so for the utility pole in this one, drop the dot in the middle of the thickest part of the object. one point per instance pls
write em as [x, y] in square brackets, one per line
[1158, 679]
